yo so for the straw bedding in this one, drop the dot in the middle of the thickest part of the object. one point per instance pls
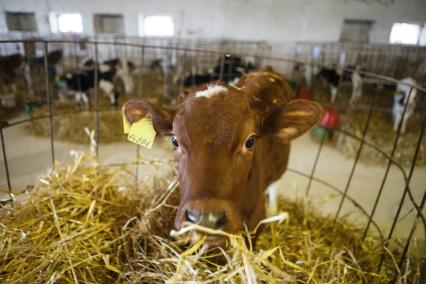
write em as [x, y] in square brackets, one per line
[70, 127]
[88, 222]
[69, 120]
[380, 133]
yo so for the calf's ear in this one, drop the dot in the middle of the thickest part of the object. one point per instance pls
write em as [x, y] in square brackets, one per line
[162, 118]
[292, 119]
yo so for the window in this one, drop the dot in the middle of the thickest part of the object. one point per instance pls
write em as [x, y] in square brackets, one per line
[156, 26]
[356, 31]
[66, 22]
[23, 22]
[109, 23]
[405, 33]
[422, 39]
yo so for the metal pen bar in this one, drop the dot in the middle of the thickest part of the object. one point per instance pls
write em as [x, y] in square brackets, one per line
[182, 74]
[336, 189]
[137, 163]
[6, 167]
[358, 155]
[217, 52]
[316, 161]
[407, 245]
[49, 103]
[412, 167]
[222, 62]
[96, 84]
[141, 71]
[402, 200]
[230, 66]
[379, 194]
[213, 73]
[314, 166]
[137, 146]
[193, 70]
[165, 72]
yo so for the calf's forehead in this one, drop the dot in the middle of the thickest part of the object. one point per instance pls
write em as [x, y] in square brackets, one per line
[222, 117]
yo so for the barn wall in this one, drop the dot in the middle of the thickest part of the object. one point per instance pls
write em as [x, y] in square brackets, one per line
[275, 21]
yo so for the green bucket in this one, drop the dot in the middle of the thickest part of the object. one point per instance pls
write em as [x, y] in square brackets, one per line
[30, 106]
[293, 85]
[319, 133]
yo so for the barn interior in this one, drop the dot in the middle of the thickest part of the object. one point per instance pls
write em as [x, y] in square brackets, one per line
[67, 68]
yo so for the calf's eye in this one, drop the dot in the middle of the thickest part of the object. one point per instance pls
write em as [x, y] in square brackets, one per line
[175, 142]
[250, 143]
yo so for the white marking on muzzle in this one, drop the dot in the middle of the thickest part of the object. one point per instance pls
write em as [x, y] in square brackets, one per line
[272, 208]
[211, 218]
[211, 91]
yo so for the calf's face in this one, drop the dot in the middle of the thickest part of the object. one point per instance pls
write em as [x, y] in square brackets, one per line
[214, 139]
[216, 134]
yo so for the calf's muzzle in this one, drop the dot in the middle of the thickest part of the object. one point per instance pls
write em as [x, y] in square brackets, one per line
[209, 219]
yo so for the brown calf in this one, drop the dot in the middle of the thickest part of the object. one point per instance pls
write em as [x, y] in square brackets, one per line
[231, 143]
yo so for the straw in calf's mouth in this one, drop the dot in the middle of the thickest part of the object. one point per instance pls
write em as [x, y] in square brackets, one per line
[236, 242]
[189, 227]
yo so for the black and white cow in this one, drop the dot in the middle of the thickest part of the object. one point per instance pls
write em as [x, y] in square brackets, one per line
[10, 67]
[233, 68]
[35, 65]
[356, 79]
[79, 83]
[405, 97]
[53, 58]
[333, 76]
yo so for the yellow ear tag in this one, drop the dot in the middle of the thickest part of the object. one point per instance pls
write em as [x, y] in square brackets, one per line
[126, 124]
[142, 132]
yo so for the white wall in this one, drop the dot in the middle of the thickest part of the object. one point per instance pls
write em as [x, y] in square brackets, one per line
[275, 21]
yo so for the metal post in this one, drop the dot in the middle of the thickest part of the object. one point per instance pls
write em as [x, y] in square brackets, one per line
[193, 71]
[137, 163]
[49, 103]
[165, 77]
[137, 146]
[222, 62]
[96, 100]
[231, 65]
[182, 77]
[3, 148]
[141, 71]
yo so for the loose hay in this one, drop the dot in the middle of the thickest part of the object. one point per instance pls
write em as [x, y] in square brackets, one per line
[88, 222]
[380, 133]
[69, 120]
[70, 126]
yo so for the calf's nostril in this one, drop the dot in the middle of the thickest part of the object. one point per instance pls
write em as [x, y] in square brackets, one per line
[221, 220]
[192, 216]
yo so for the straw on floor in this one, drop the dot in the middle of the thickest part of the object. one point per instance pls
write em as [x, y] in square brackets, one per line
[93, 223]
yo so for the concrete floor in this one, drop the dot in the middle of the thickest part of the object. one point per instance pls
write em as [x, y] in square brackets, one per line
[29, 157]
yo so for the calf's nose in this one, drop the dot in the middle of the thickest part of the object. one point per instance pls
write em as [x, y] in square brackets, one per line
[209, 219]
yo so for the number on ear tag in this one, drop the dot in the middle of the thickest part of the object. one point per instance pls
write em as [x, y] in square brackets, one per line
[142, 132]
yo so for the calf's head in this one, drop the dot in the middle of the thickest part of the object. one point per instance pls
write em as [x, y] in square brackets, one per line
[221, 142]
